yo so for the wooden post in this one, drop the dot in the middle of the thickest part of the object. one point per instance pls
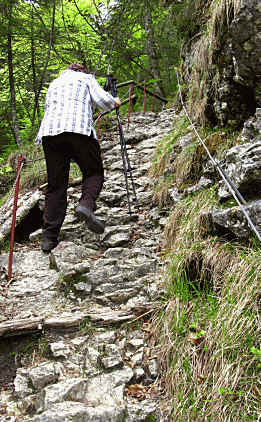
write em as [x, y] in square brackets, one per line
[11, 249]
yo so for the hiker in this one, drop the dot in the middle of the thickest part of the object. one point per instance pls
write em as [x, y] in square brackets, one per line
[66, 133]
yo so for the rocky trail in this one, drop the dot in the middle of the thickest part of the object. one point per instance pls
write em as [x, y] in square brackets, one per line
[86, 304]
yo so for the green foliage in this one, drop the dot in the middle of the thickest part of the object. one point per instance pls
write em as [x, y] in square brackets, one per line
[257, 355]
[36, 345]
[9, 149]
[4, 169]
[5, 245]
[86, 327]
[150, 418]
[81, 34]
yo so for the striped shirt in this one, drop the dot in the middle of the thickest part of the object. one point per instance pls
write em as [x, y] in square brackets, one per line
[68, 104]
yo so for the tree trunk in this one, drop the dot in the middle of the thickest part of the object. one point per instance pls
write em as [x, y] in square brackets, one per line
[46, 62]
[151, 47]
[33, 64]
[11, 77]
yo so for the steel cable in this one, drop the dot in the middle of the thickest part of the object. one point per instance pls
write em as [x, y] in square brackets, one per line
[229, 183]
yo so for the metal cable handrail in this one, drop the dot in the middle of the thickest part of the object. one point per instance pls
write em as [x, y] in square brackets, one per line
[230, 184]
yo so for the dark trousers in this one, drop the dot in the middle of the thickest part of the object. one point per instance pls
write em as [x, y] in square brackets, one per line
[58, 151]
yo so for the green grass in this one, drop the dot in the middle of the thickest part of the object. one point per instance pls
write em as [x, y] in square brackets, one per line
[209, 351]
[207, 327]
[182, 167]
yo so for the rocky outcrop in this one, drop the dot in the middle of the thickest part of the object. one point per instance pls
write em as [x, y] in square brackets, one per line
[231, 223]
[233, 66]
[242, 165]
[239, 67]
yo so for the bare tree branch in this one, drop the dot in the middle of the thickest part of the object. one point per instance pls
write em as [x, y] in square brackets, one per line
[86, 20]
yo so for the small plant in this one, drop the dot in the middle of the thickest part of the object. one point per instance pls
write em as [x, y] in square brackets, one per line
[86, 327]
[4, 169]
[150, 418]
[34, 345]
[257, 355]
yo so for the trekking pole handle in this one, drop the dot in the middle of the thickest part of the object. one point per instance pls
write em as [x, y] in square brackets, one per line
[110, 85]
[114, 87]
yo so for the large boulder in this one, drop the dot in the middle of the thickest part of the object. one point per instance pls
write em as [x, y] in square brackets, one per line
[231, 223]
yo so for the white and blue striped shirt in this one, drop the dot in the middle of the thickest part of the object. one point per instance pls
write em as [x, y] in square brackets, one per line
[68, 104]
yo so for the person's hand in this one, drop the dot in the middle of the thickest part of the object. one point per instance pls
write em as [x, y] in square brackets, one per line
[117, 102]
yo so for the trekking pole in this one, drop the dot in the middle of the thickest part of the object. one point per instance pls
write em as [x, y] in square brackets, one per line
[111, 83]
[115, 94]
[130, 103]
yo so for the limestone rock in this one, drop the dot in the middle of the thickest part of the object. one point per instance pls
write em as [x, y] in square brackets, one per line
[233, 221]
[70, 411]
[140, 412]
[242, 164]
[68, 390]
[44, 374]
[111, 356]
[236, 68]
[21, 384]
[108, 389]
[60, 349]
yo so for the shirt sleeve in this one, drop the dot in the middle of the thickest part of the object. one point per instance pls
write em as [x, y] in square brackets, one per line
[101, 98]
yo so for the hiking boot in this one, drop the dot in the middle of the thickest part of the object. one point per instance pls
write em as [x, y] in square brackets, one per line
[48, 244]
[86, 214]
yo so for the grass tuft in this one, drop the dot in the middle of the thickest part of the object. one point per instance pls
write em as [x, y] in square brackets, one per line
[174, 165]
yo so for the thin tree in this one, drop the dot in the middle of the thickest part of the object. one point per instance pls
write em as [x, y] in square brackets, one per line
[9, 10]
[33, 62]
[51, 38]
[151, 46]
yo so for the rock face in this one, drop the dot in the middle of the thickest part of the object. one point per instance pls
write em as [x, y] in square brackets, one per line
[234, 83]
[95, 288]
[239, 90]
[231, 222]
[243, 165]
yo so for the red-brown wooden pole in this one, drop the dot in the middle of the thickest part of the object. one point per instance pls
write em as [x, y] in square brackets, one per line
[11, 249]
